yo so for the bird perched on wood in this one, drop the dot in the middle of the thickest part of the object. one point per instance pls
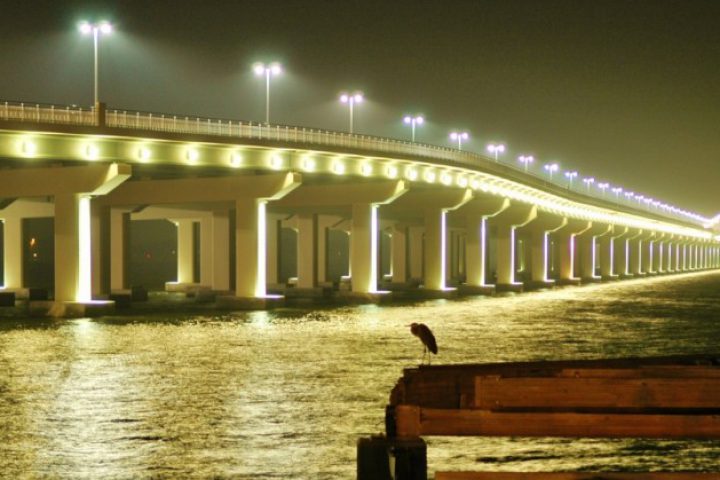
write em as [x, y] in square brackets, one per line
[427, 338]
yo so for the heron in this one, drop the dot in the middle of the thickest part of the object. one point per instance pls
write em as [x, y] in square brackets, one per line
[427, 338]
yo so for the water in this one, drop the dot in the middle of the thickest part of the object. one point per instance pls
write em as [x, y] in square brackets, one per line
[287, 394]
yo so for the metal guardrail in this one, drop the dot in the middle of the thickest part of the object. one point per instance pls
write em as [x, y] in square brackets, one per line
[74, 115]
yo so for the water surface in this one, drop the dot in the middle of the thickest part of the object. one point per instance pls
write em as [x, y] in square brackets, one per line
[286, 394]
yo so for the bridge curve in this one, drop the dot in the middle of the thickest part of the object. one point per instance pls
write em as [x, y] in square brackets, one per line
[475, 218]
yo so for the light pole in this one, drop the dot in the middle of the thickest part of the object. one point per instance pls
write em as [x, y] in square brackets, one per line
[267, 71]
[551, 168]
[617, 191]
[351, 100]
[496, 149]
[86, 28]
[603, 187]
[571, 176]
[459, 137]
[525, 160]
[412, 121]
[588, 181]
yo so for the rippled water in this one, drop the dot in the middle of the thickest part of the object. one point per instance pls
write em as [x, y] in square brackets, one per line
[286, 394]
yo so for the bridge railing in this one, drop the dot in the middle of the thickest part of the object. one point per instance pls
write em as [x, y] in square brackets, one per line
[65, 115]
[74, 115]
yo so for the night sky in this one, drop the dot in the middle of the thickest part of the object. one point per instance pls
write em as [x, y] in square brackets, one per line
[626, 91]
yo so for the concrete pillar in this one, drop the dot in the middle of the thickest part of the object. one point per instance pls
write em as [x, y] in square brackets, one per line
[587, 246]
[507, 221]
[67, 248]
[250, 248]
[477, 212]
[399, 253]
[206, 251]
[272, 236]
[99, 222]
[307, 248]
[647, 254]
[220, 254]
[363, 248]
[435, 254]
[670, 255]
[416, 256]
[609, 244]
[185, 251]
[566, 237]
[13, 254]
[538, 232]
[119, 244]
[622, 252]
[658, 253]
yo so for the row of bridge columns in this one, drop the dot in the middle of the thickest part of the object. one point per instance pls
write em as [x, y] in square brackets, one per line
[435, 233]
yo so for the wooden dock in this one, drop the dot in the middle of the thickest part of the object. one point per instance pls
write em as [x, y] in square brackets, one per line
[656, 397]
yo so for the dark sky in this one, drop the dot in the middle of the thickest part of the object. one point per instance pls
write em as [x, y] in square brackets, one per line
[627, 91]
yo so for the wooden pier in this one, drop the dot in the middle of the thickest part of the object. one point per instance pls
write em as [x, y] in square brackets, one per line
[657, 397]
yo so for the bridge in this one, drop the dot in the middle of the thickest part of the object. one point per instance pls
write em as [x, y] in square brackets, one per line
[444, 220]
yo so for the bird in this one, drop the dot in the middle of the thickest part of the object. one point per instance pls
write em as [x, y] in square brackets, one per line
[427, 338]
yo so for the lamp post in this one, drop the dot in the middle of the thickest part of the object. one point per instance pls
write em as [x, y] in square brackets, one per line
[570, 176]
[588, 181]
[617, 191]
[459, 137]
[412, 121]
[525, 160]
[96, 29]
[496, 149]
[551, 168]
[603, 187]
[351, 100]
[267, 71]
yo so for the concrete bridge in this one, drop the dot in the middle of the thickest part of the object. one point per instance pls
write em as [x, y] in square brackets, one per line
[416, 216]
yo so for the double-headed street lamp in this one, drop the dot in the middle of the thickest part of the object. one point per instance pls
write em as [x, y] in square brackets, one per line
[496, 149]
[525, 160]
[268, 71]
[459, 137]
[588, 181]
[603, 187]
[412, 121]
[96, 29]
[571, 176]
[351, 100]
[551, 168]
[617, 191]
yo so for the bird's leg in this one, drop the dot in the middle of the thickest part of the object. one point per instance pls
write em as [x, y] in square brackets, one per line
[424, 353]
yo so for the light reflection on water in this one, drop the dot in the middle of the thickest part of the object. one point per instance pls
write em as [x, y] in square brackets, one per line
[286, 394]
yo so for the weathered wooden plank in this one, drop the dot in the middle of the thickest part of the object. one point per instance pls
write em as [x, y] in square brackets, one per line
[576, 476]
[414, 421]
[664, 371]
[453, 386]
[497, 393]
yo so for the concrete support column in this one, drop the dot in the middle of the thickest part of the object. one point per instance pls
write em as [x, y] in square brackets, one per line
[185, 251]
[119, 244]
[658, 254]
[99, 217]
[250, 248]
[70, 281]
[587, 246]
[475, 250]
[415, 244]
[538, 232]
[307, 248]
[647, 255]
[13, 254]
[670, 257]
[636, 255]
[206, 248]
[272, 239]
[435, 254]
[565, 238]
[399, 253]
[220, 255]
[609, 244]
[507, 221]
[363, 248]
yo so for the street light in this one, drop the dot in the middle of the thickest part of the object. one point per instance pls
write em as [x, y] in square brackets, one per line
[617, 191]
[459, 137]
[412, 121]
[570, 176]
[588, 181]
[496, 149]
[87, 28]
[351, 100]
[603, 187]
[525, 160]
[267, 71]
[551, 168]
